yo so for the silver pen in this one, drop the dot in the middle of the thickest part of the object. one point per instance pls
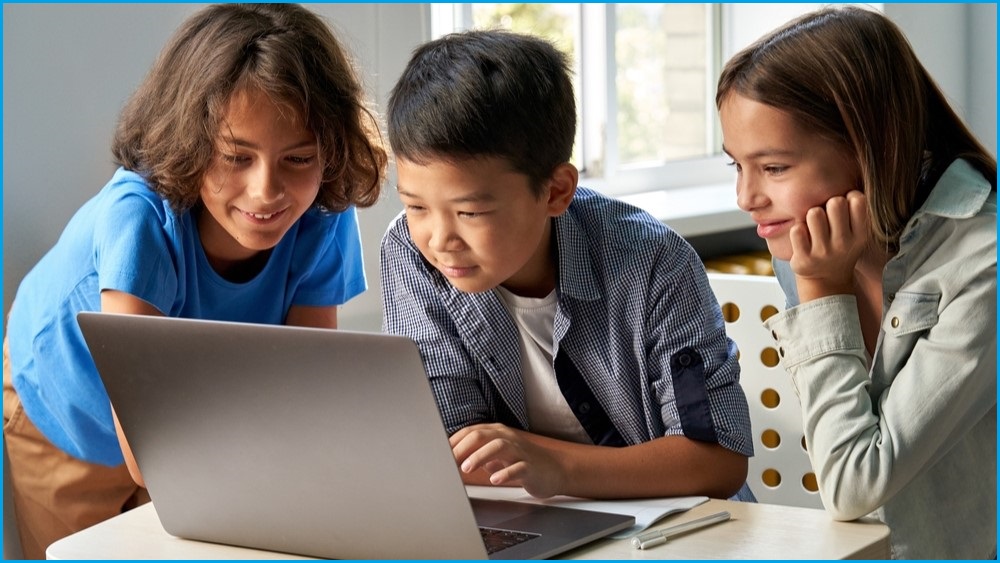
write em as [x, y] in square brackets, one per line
[654, 538]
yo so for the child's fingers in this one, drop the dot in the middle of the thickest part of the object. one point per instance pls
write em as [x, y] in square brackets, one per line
[858, 210]
[799, 237]
[490, 454]
[510, 475]
[819, 231]
[467, 441]
[838, 219]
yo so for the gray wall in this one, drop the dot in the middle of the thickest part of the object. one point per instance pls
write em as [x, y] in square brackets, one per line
[68, 68]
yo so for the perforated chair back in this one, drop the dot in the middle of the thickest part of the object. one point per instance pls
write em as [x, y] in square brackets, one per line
[780, 472]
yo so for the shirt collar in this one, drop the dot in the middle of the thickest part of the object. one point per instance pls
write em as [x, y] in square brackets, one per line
[960, 193]
[577, 275]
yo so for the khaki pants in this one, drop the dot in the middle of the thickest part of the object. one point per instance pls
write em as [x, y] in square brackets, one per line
[56, 494]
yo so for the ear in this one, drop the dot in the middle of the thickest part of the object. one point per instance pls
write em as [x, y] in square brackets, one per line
[562, 187]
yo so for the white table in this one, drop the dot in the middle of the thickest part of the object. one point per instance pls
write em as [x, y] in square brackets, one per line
[756, 531]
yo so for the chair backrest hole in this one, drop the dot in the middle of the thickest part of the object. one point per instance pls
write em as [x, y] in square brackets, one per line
[730, 312]
[770, 439]
[809, 482]
[770, 398]
[769, 357]
[771, 477]
[768, 311]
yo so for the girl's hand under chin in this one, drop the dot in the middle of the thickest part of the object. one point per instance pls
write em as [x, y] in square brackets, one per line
[826, 247]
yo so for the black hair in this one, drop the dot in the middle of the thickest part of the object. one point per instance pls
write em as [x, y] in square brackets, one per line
[486, 93]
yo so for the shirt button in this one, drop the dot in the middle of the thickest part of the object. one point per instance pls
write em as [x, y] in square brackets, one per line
[894, 322]
[891, 297]
[584, 408]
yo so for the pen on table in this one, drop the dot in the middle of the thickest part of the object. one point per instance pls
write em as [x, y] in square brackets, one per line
[654, 538]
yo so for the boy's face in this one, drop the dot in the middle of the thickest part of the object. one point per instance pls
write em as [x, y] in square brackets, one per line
[479, 223]
[265, 175]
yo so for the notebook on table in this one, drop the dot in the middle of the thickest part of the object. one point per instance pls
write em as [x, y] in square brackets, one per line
[325, 443]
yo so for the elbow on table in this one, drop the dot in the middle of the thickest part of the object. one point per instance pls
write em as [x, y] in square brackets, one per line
[731, 479]
[844, 506]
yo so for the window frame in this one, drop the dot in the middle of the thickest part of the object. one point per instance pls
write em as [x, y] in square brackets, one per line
[597, 134]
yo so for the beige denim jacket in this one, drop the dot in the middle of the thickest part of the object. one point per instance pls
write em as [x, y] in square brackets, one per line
[909, 435]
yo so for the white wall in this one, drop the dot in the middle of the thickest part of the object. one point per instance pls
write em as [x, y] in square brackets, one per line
[69, 67]
[981, 64]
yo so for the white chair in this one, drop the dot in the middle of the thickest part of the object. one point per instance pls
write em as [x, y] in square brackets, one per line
[780, 472]
[11, 539]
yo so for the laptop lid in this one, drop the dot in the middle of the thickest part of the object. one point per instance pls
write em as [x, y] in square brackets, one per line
[325, 443]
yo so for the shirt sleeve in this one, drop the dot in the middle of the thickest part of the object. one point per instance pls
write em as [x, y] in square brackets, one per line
[867, 444]
[693, 363]
[413, 307]
[134, 252]
[328, 259]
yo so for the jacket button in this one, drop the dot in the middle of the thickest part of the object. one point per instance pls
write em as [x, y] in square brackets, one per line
[584, 407]
[894, 322]
[684, 360]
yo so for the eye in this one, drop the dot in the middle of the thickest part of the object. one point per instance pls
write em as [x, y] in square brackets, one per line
[775, 169]
[301, 160]
[234, 159]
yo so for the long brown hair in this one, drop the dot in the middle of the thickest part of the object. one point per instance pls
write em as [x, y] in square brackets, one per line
[850, 75]
[168, 128]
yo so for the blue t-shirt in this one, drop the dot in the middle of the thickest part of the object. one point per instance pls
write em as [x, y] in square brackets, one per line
[127, 238]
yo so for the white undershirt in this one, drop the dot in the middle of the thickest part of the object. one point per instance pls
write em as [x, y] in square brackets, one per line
[548, 412]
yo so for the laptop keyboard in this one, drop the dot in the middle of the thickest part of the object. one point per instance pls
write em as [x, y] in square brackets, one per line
[497, 539]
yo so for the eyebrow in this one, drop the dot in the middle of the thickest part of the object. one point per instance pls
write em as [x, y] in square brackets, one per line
[478, 197]
[308, 143]
[764, 153]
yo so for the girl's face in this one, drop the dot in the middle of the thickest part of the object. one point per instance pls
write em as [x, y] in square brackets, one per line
[264, 176]
[782, 170]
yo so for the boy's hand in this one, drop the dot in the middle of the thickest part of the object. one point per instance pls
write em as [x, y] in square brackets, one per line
[826, 247]
[511, 457]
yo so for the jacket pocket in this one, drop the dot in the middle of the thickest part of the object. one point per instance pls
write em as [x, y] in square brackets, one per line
[911, 312]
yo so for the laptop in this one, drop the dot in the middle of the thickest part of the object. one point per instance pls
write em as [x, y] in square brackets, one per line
[325, 443]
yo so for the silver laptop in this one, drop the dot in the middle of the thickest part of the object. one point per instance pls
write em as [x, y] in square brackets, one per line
[326, 443]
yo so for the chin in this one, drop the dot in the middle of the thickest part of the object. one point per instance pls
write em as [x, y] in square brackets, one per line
[781, 250]
[468, 286]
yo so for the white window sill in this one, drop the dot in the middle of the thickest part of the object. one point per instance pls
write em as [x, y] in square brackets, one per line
[694, 211]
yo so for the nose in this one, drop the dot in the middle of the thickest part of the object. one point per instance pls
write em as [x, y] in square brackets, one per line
[442, 236]
[266, 184]
[749, 196]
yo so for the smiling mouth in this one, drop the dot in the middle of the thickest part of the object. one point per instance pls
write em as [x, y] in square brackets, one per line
[455, 271]
[263, 217]
[766, 230]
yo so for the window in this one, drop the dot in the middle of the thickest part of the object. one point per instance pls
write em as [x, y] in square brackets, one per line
[652, 126]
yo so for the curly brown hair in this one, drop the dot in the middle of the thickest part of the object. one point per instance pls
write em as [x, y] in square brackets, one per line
[167, 129]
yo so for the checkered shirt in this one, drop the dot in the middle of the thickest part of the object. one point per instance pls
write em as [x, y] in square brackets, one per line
[632, 295]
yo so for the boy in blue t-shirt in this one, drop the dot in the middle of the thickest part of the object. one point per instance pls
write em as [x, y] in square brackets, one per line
[572, 341]
[235, 200]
